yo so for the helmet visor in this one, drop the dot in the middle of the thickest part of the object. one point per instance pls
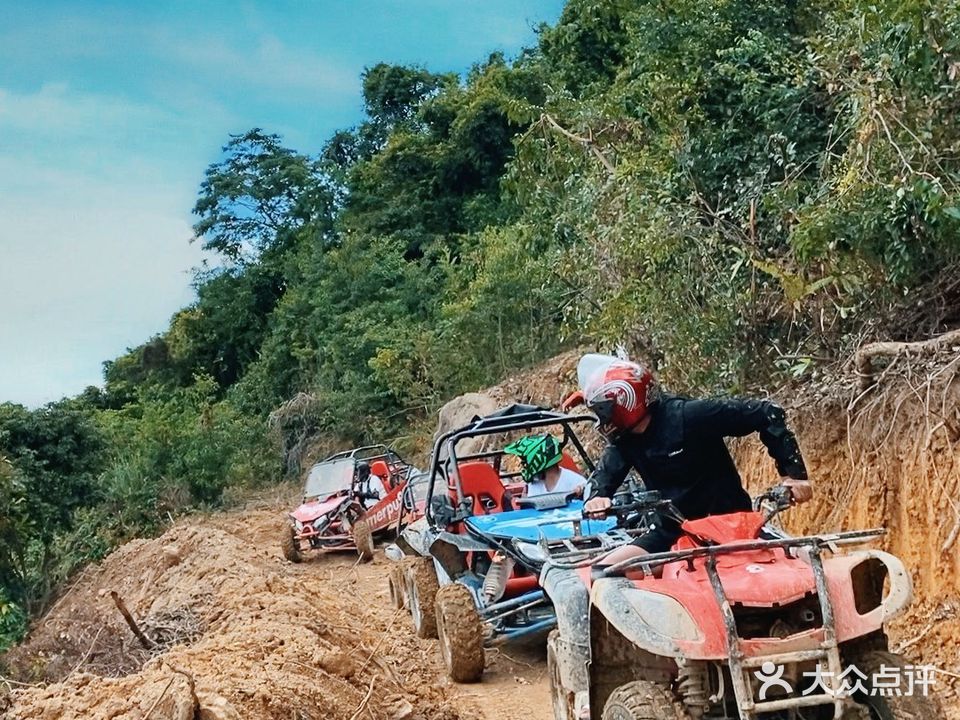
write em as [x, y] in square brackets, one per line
[592, 366]
[603, 409]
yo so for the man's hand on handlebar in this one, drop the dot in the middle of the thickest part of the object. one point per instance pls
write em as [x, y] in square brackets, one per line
[800, 490]
[597, 507]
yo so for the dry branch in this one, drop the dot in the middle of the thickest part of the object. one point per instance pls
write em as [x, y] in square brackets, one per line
[864, 357]
[131, 623]
[160, 697]
[587, 142]
[366, 699]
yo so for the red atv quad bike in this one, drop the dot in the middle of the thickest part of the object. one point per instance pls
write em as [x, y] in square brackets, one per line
[348, 498]
[738, 620]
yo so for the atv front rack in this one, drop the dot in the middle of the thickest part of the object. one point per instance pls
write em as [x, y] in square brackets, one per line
[646, 563]
[579, 549]
[742, 666]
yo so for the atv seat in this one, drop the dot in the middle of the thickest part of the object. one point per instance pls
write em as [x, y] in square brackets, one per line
[480, 481]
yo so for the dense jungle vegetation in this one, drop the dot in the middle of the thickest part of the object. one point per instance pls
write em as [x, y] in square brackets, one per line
[739, 190]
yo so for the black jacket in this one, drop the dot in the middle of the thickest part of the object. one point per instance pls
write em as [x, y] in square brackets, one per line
[683, 455]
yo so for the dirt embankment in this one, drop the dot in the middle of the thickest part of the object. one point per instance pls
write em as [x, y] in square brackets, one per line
[243, 634]
[889, 456]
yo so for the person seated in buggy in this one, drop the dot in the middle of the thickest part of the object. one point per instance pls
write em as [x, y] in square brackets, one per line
[369, 484]
[540, 458]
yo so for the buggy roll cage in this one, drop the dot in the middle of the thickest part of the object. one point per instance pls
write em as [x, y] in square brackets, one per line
[509, 419]
[367, 452]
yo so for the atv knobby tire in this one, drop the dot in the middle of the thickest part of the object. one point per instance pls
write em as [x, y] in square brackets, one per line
[290, 545]
[421, 591]
[561, 699]
[397, 584]
[363, 539]
[893, 707]
[460, 631]
[643, 700]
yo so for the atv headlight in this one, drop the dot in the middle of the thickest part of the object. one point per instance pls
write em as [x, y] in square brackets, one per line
[663, 614]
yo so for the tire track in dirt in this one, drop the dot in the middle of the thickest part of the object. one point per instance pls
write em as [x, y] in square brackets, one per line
[514, 684]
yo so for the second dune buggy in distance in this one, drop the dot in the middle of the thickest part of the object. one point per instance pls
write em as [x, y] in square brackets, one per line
[348, 498]
[470, 570]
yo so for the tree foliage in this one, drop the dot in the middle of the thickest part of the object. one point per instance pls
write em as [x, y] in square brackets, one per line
[260, 197]
[736, 190]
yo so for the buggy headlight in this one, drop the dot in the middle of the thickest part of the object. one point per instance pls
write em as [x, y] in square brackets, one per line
[320, 523]
[532, 551]
[298, 526]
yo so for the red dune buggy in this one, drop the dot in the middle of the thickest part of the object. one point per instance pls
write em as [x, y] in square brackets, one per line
[348, 498]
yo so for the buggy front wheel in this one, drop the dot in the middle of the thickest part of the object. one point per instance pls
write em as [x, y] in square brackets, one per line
[290, 545]
[421, 590]
[397, 585]
[363, 539]
[460, 631]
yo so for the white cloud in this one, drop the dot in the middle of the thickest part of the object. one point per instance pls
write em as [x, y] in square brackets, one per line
[55, 109]
[267, 65]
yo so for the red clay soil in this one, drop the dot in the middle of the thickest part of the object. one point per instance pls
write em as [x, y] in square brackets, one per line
[261, 638]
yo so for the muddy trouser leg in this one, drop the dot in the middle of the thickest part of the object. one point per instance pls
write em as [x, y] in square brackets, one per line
[659, 539]
[572, 603]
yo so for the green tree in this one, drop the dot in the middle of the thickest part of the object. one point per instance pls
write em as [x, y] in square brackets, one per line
[262, 197]
[53, 456]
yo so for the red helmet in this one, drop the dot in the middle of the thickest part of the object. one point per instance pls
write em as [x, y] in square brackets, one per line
[618, 392]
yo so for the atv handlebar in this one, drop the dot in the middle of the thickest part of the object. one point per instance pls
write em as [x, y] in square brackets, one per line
[635, 500]
[778, 498]
[632, 506]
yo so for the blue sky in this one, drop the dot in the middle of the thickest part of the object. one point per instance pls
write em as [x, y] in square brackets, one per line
[111, 111]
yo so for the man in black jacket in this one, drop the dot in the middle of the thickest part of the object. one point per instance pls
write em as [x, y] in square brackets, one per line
[677, 445]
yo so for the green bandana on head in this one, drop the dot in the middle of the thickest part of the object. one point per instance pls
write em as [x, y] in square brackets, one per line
[536, 453]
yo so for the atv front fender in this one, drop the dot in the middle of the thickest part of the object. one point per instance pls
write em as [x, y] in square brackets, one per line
[857, 582]
[652, 621]
[571, 600]
[416, 538]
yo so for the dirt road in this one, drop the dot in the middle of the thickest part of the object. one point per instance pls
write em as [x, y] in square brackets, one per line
[514, 684]
[242, 633]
